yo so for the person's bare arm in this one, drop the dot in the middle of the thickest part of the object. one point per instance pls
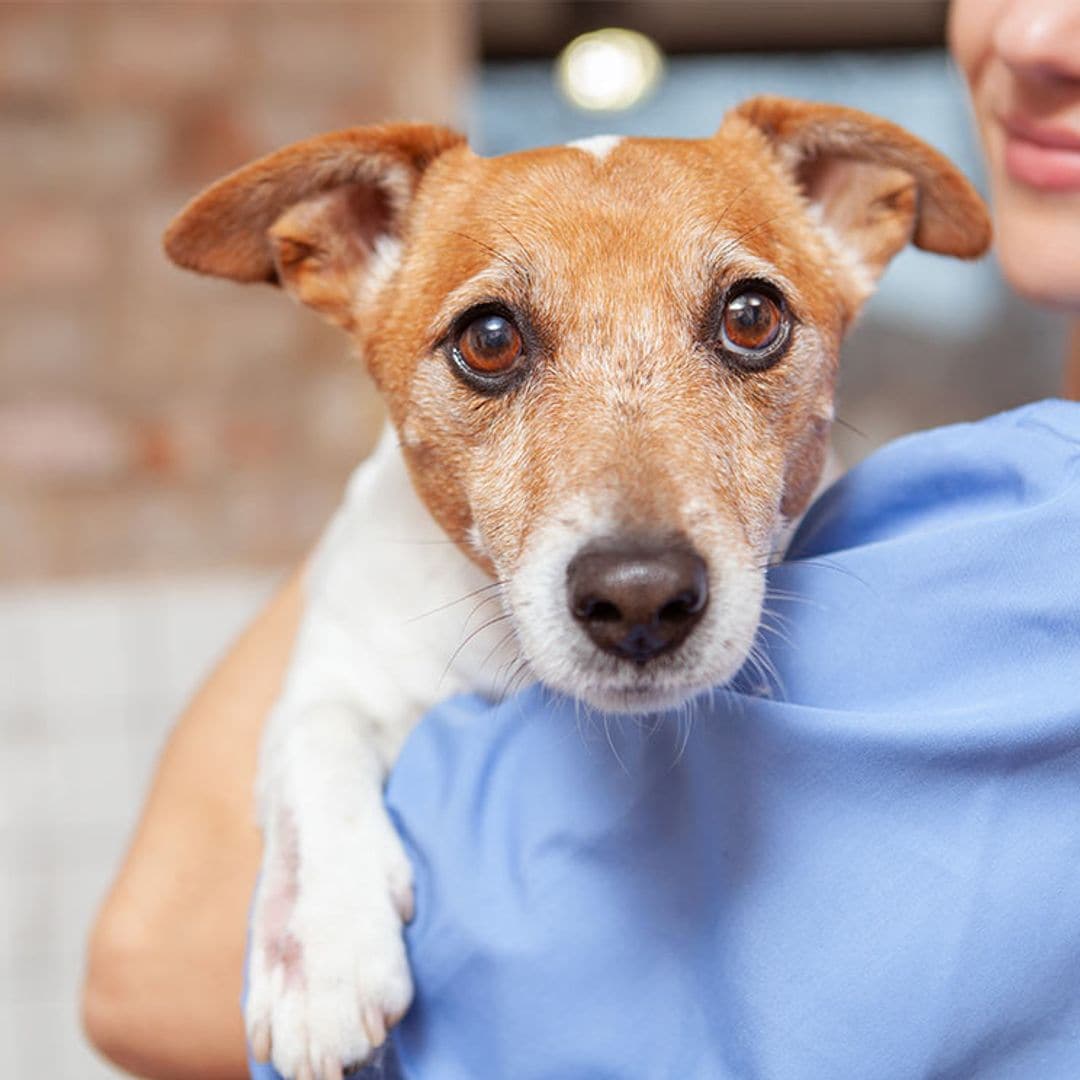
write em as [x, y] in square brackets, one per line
[163, 981]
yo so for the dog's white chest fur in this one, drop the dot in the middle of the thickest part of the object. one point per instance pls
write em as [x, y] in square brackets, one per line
[395, 609]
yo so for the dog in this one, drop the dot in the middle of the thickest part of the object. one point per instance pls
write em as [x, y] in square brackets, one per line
[609, 369]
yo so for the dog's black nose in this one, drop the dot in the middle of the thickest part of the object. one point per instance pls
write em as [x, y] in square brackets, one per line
[637, 599]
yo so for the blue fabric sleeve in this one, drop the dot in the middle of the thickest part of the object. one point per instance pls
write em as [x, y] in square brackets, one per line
[861, 861]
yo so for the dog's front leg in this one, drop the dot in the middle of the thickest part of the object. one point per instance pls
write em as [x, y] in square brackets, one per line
[327, 972]
[327, 969]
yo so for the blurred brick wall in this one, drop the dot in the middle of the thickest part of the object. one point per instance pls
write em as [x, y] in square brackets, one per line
[150, 420]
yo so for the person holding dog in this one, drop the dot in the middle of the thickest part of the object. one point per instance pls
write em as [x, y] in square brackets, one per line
[168, 946]
[1022, 65]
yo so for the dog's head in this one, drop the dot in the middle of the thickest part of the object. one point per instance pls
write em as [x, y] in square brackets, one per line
[610, 364]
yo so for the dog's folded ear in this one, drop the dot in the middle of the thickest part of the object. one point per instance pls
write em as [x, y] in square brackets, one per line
[873, 184]
[311, 217]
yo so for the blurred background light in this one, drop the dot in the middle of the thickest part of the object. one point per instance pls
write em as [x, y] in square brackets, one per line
[609, 70]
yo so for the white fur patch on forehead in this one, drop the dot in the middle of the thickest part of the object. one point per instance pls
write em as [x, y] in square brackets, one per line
[597, 145]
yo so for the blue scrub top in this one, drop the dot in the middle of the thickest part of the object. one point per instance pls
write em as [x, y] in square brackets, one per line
[861, 863]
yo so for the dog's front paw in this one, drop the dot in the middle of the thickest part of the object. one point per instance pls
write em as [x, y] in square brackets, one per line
[328, 974]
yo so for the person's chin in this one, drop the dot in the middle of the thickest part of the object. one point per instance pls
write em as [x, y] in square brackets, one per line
[1037, 243]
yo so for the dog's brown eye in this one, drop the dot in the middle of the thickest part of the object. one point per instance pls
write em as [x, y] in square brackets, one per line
[753, 328]
[752, 321]
[490, 345]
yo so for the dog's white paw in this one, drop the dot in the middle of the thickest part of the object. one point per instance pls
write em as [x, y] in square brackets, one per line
[328, 974]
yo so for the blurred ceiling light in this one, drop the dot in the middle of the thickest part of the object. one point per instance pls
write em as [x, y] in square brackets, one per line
[609, 69]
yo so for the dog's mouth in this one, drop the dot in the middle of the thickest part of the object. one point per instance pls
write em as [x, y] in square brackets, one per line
[665, 683]
[637, 699]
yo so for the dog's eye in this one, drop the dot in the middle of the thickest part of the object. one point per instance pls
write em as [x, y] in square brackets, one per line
[490, 345]
[754, 326]
[751, 321]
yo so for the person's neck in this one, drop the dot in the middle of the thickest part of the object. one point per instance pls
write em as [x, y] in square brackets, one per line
[1072, 361]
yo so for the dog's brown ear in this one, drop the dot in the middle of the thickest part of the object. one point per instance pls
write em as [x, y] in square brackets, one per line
[876, 186]
[309, 217]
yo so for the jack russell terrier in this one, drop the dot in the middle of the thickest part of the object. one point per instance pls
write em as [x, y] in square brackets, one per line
[609, 369]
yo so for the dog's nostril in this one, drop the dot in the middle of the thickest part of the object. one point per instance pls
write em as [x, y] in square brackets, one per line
[637, 599]
[597, 610]
[682, 607]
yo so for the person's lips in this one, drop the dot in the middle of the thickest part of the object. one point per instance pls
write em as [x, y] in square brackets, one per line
[1041, 155]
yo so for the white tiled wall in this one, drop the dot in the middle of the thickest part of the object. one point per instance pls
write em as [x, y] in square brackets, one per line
[91, 677]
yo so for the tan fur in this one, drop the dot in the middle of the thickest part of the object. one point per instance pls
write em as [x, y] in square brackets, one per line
[225, 230]
[951, 218]
[614, 263]
[628, 421]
